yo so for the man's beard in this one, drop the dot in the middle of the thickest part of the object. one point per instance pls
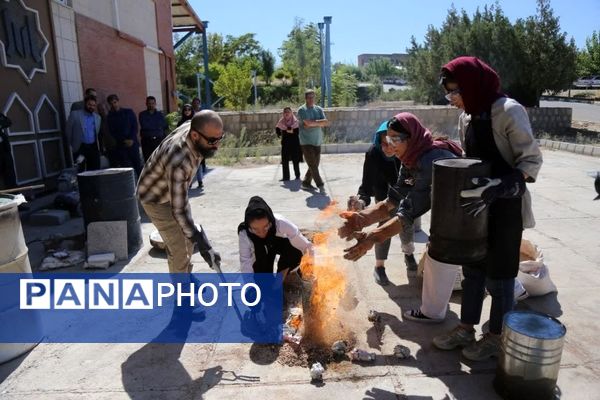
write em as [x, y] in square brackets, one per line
[207, 152]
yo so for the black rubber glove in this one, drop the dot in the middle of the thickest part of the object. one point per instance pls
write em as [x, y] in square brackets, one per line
[507, 187]
[212, 258]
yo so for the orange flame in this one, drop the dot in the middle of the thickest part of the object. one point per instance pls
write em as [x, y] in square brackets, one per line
[322, 323]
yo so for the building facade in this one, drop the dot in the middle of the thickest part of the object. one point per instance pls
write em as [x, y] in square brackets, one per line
[51, 50]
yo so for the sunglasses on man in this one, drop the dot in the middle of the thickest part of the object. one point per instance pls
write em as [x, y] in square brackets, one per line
[211, 141]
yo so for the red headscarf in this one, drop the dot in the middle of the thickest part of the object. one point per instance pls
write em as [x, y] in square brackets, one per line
[421, 140]
[479, 84]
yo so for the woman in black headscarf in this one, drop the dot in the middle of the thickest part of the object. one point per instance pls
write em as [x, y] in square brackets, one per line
[263, 235]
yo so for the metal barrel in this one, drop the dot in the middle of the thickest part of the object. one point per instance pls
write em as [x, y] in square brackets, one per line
[528, 365]
[109, 195]
[455, 236]
[14, 259]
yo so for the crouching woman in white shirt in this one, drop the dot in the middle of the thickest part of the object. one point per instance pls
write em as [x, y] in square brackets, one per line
[263, 235]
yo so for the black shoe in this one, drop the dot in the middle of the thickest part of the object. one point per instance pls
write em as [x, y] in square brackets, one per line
[411, 263]
[380, 276]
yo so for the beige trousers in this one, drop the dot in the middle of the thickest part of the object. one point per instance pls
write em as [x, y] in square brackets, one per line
[179, 247]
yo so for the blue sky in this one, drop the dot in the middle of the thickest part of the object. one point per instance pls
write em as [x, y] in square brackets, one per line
[376, 26]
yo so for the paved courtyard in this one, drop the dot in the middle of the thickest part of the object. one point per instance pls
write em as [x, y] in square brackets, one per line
[568, 232]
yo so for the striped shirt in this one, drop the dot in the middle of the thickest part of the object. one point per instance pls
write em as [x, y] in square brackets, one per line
[168, 174]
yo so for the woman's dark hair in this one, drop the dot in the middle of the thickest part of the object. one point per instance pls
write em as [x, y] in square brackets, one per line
[396, 126]
[257, 213]
[446, 77]
[287, 108]
[186, 107]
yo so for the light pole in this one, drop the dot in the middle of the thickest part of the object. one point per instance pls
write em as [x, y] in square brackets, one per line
[328, 58]
[254, 84]
[207, 105]
[323, 80]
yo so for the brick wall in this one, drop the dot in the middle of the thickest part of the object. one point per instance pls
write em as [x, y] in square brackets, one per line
[111, 62]
[358, 124]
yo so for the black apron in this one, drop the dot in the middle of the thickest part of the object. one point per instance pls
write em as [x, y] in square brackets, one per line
[505, 224]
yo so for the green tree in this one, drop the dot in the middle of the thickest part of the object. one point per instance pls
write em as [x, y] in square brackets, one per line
[547, 60]
[588, 59]
[525, 54]
[343, 90]
[267, 60]
[300, 54]
[380, 68]
[350, 69]
[234, 85]
[240, 47]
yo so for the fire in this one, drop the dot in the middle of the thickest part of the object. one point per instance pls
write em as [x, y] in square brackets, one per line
[325, 271]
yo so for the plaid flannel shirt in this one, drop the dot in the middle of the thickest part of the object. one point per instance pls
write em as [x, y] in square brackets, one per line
[168, 174]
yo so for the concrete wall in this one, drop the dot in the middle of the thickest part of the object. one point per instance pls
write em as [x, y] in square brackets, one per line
[68, 55]
[359, 124]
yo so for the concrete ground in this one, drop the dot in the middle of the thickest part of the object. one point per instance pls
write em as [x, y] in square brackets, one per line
[568, 228]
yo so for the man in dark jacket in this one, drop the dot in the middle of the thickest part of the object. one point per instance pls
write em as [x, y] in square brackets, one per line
[123, 127]
[152, 127]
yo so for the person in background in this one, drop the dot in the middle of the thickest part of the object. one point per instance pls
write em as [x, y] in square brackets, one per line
[495, 129]
[152, 127]
[82, 132]
[287, 129]
[187, 113]
[123, 127]
[196, 106]
[108, 144]
[263, 235]
[80, 105]
[380, 171]
[312, 120]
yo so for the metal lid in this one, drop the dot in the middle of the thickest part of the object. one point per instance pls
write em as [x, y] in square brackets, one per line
[457, 162]
[534, 324]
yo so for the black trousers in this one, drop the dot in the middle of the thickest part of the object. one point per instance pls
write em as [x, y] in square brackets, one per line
[149, 144]
[91, 154]
[289, 257]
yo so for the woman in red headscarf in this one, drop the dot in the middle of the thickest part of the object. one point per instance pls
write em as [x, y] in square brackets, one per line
[496, 129]
[410, 197]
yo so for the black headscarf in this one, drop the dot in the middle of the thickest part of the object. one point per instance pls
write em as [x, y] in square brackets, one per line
[258, 208]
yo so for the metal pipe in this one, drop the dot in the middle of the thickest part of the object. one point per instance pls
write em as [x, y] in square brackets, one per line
[328, 57]
[116, 10]
[321, 48]
[207, 105]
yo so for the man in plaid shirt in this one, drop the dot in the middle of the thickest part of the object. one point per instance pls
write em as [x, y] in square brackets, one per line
[164, 183]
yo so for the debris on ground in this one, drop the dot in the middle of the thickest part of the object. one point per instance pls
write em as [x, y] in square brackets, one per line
[316, 371]
[100, 261]
[401, 352]
[374, 316]
[362, 355]
[292, 329]
[339, 348]
[62, 259]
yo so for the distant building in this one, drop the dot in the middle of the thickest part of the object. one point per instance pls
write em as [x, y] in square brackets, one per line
[397, 59]
[50, 50]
